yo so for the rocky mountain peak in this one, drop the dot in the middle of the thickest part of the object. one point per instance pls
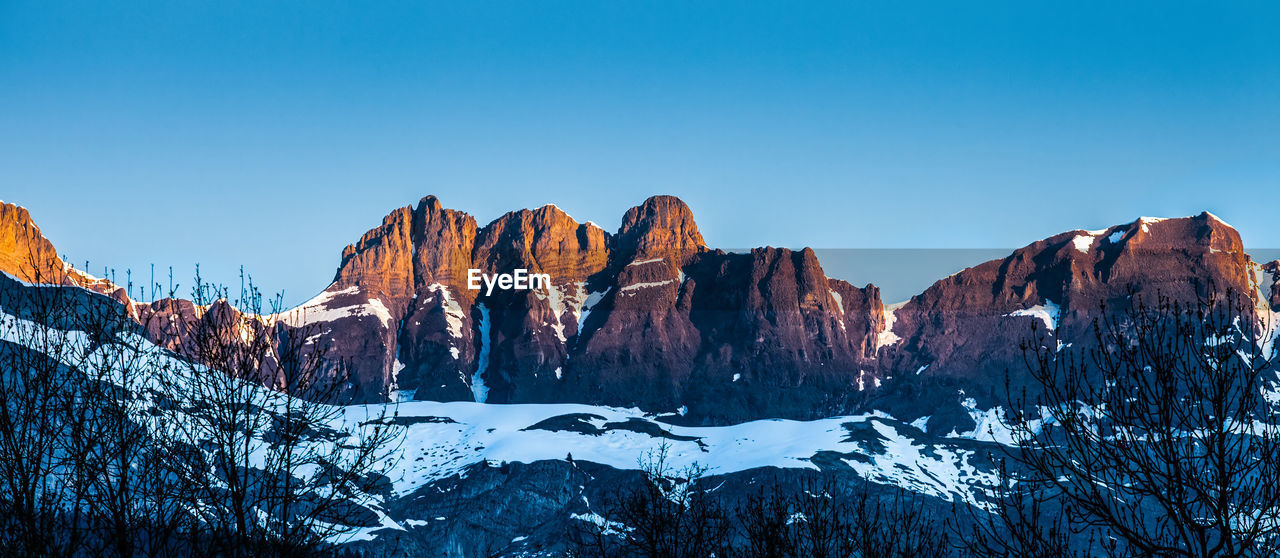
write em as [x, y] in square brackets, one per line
[443, 240]
[661, 227]
[24, 252]
[543, 240]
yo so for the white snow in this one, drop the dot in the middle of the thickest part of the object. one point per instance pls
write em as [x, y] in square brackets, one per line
[839, 302]
[610, 527]
[1115, 237]
[478, 389]
[992, 425]
[635, 286]
[557, 208]
[592, 300]
[888, 337]
[1144, 221]
[884, 450]
[1218, 219]
[1047, 313]
[556, 300]
[317, 310]
[1084, 242]
[453, 314]
[500, 433]
[642, 262]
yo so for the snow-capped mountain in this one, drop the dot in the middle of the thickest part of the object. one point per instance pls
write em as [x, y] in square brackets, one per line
[646, 338]
[649, 317]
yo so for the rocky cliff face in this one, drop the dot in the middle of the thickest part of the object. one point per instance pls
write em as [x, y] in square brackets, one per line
[958, 339]
[27, 255]
[650, 317]
[646, 317]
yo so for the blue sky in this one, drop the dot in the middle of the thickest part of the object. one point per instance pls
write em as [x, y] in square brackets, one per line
[271, 134]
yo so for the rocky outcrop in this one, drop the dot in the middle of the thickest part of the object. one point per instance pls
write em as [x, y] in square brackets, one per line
[27, 255]
[24, 252]
[647, 316]
[959, 338]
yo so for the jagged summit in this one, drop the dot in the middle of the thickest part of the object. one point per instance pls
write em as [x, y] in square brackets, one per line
[651, 317]
[662, 226]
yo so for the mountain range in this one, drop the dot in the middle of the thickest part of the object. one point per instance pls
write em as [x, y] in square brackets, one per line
[650, 317]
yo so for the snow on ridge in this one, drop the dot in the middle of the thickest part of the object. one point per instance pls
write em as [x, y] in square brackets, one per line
[635, 286]
[1219, 219]
[557, 208]
[317, 309]
[643, 262]
[1047, 313]
[1144, 221]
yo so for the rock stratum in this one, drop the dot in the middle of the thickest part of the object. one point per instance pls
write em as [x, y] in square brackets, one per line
[650, 317]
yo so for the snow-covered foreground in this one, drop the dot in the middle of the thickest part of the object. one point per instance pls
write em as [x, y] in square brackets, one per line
[446, 439]
[450, 437]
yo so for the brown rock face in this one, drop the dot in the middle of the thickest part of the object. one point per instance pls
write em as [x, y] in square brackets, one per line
[648, 317]
[24, 252]
[963, 333]
[532, 332]
[661, 227]
[774, 337]
[27, 255]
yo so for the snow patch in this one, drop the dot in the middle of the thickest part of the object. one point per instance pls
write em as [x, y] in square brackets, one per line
[888, 337]
[592, 300]
[635, 286]
[556, 300]
[453, 314]
[1144, 221]
[317, 310]
[1047, 313]
[839, 301]
[1084, 243]
[643, 262]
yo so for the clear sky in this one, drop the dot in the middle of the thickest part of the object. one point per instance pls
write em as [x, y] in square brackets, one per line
[271, 134]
